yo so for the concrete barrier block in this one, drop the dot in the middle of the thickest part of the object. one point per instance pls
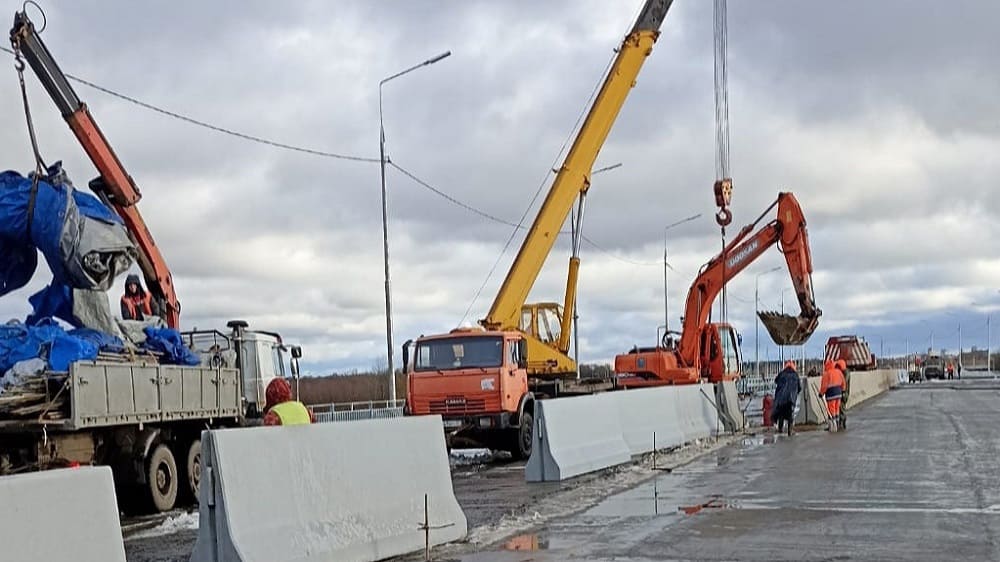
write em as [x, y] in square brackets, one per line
[350, 491]
[728, 400]
[811, 406]
[67, 514]
[866, 385]
[643, 412]
[583, 434]
[574, 436]
[697, 414]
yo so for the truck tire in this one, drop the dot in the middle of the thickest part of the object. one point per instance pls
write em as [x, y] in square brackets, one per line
[193, 469]
[161, 478]
[520, 447]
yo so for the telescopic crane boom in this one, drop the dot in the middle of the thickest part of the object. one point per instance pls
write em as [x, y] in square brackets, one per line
[545, 355]
[114, 185]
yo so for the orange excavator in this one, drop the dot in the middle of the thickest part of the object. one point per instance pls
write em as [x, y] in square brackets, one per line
[707, 350]
[114, 186]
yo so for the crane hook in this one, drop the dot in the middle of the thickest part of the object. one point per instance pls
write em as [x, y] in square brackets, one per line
[723, 195]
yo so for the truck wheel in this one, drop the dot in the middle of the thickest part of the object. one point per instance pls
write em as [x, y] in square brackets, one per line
[520, 448]
[194, 469]
[161, 477]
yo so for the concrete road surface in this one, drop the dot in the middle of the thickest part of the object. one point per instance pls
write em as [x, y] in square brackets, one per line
[914, 477]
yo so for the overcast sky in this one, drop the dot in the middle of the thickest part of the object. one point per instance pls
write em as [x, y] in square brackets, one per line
[882, 117]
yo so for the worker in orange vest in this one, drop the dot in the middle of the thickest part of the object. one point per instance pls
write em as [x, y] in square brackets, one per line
[136, 303]
[951, 370]
[281, 409]
[832, 386]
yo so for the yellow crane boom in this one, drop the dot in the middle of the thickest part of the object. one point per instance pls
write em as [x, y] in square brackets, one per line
[572, 181]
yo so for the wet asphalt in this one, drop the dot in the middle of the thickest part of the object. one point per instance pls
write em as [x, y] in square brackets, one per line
[913, 478]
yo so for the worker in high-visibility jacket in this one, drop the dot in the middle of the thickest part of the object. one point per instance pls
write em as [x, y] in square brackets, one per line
[281, 409]
[832, 386]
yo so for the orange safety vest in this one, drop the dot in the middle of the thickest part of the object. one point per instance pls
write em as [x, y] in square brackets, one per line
[138, 305]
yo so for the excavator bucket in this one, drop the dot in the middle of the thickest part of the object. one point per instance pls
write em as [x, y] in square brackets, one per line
[786, 329]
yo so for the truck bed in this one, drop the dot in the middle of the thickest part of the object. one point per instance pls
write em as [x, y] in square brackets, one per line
[102, 394]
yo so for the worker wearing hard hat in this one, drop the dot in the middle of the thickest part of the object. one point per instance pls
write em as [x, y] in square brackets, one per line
[281, 409]
[832, 386]
[786, 392]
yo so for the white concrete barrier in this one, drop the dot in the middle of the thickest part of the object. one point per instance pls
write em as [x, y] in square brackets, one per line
[812, 406]
[865, 385]
[330, 491]
[66, 514]
[728, 399]
[573, 436]
[583, 434]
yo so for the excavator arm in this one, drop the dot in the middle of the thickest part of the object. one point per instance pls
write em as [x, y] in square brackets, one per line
[787, 230]
[571, 183]
[114, 186]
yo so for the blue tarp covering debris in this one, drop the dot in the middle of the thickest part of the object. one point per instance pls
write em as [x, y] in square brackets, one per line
[83, 241]
[47, 340]
[169, 342]
[85, 246]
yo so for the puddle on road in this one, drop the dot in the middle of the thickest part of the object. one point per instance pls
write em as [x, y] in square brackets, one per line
[715, 501]
[527, 542]
[754, 441]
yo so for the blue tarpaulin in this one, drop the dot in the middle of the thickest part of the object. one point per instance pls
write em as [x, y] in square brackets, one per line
[86, 247]
[82, 240]
[47, 340]
[169, 342]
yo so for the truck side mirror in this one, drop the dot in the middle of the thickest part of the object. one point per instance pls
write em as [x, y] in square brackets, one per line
[522, 354]
[295, 367]
[406, 355]
[296, 352]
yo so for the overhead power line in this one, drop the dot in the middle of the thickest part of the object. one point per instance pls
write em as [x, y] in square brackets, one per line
[496, 219]
[210, 126]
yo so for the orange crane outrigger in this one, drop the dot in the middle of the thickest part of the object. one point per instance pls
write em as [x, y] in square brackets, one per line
[114, 186]
[711, 350]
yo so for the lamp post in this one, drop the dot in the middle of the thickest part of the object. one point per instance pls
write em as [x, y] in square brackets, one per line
[666, 266]
[756, 315]
[577, 233]
[385, 221]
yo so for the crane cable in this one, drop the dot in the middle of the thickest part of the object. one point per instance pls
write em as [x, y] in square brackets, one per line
[40, 166]
[723, 184]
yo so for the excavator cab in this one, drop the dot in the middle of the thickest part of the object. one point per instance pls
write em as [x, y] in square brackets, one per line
[721, 359]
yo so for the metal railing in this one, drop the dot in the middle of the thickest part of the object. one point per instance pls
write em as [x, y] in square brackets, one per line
[354, 411]
[755, 385]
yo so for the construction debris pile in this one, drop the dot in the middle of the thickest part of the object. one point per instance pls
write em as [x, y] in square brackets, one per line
[86, 247]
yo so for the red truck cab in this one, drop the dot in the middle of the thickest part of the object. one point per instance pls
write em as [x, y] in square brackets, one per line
[477, 381]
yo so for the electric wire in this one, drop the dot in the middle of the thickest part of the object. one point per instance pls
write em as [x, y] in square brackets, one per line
[212, 127]
[541, 185]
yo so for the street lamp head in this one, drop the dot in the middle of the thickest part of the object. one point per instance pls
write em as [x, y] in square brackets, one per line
[433, 60]
[606, 169]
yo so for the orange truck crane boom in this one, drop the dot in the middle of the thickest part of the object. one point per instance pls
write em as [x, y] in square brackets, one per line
[711, 350]
[114, 185]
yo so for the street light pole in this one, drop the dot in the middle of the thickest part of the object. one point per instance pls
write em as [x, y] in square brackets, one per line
[385, 222]
[666, 266]
[756, 316]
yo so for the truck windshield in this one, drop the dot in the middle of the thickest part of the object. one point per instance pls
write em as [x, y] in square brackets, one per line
[459, 353]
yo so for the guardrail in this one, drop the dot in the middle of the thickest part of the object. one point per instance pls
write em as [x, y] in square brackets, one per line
[755, 385]
[354, 411]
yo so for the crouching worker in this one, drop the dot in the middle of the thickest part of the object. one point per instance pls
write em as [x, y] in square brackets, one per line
[281, 409]
[786, 392]
[832, 387]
